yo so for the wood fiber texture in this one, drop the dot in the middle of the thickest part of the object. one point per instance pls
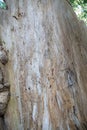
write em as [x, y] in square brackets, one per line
[47, 65]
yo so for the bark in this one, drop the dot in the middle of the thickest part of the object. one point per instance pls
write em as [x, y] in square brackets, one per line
[47, 65]
[4, 86]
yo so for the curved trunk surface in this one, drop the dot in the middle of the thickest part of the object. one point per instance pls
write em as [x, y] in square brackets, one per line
[47, 65]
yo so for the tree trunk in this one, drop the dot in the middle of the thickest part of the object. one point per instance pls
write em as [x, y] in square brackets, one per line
[47, 65]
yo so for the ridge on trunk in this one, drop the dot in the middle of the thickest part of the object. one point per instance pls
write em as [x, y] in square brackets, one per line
[47, 65]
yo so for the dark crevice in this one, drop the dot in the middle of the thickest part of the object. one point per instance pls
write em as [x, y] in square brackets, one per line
[2, 123]
[77, 128]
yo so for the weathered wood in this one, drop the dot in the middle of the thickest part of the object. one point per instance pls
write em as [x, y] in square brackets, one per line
[47, 65]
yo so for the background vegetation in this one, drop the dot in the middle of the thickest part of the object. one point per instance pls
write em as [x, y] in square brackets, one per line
[80, 7]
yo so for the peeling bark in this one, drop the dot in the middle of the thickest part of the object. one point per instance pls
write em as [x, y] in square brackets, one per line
[47, 66]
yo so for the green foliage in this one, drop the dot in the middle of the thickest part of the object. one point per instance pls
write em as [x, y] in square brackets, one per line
[80, 7]
[3, 5]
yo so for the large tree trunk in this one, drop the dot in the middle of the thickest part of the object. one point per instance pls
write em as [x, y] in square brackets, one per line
[47, 65]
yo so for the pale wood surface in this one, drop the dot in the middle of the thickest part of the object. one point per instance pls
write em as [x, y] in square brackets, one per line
[47, 65]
